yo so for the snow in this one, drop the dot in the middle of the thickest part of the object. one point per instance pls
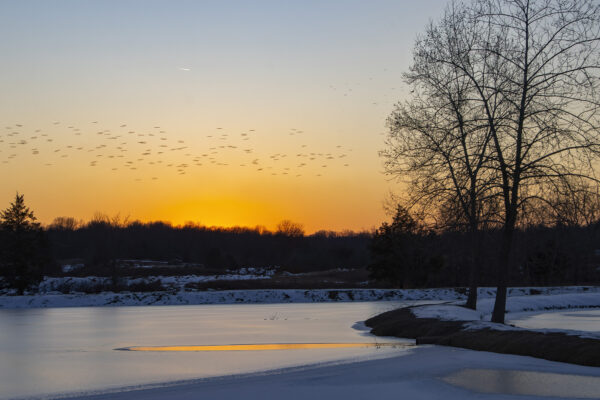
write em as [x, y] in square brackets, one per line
[447, 312]
[183, 297]
[70, 283]
[515, 307]
[420, 373]
[514, 304]
[71, 267]
[177, 294]
[544, 302]
[586, 320]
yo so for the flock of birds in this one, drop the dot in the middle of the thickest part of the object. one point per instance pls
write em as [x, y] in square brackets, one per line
[155, 150]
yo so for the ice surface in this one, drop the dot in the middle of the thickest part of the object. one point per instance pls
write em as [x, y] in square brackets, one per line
[582, 320]
[529, 383]
[49, 350]
[418, 375]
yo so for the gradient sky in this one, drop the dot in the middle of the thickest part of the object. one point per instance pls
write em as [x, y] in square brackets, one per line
[219, 112]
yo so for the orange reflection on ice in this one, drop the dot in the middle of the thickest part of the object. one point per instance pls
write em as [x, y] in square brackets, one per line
[253, 347]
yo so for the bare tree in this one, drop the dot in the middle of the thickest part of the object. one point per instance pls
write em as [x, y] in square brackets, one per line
[576, 205]
[290, 229]
[533, 67]
[65, 223]
[570, 202]
[438, 143]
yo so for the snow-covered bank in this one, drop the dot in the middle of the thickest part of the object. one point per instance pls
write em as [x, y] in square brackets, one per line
[451, 325]
[75, 284]
[514, 304]
[184, 297]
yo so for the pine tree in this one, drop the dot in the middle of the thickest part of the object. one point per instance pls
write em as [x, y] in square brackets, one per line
[21, 246]
[399, 253]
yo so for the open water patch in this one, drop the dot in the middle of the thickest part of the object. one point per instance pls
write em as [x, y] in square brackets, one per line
[528, 383]
[264, 346]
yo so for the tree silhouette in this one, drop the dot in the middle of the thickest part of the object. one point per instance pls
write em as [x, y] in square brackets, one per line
[437, 144]
[400, 253]
[290, 229]
[529, 69]
[22, 246]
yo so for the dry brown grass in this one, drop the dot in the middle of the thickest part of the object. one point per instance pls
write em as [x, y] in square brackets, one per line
[330, 279]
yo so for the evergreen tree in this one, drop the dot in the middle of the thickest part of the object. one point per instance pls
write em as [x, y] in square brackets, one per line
[400, 255]
[22, 246]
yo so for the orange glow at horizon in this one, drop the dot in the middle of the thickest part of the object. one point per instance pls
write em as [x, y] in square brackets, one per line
[217, 180]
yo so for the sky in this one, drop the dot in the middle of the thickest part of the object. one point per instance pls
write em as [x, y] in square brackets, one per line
[224, 113]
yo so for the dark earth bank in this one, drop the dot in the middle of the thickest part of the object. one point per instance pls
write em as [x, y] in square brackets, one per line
[550, 346]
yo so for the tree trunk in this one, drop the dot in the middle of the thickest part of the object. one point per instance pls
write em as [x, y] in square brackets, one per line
[472, 299]
[500, 303]
[474, 265]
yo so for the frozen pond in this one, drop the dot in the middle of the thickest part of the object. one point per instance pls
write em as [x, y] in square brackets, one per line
[58, 350]
[528, 383]
[49, 351]
[586, 320]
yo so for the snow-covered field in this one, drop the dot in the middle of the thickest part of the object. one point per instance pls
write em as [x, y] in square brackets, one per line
[180, 296]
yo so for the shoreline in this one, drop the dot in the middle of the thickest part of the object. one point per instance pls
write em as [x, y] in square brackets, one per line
[503, 339]
[278, 296]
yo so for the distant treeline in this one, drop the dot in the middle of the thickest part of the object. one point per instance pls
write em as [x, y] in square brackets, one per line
[397, 256]
[402, 253]
[103, 240]
[407, 254]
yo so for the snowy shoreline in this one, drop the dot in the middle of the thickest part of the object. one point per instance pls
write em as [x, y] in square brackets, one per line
[269, 296]
[449, 324]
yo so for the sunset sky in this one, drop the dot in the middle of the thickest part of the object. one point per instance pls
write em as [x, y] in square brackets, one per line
[218, 112]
